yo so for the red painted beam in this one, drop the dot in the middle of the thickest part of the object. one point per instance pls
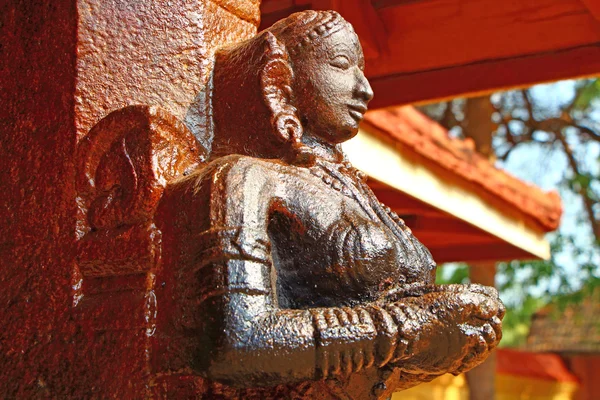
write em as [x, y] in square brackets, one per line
[423, 51]
[485, 76]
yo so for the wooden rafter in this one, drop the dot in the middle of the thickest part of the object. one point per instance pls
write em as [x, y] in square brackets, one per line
[426, 50]
[594, 7]
[485, 76]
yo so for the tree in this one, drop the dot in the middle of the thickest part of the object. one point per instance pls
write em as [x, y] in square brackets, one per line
[562, 120]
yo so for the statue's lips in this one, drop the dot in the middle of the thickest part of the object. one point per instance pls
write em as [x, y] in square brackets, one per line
[357, 111]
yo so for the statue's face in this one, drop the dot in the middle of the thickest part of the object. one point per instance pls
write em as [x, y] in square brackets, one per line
[331, 90]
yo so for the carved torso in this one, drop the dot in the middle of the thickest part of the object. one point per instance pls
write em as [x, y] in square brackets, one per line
[331, 243]
[337, 245]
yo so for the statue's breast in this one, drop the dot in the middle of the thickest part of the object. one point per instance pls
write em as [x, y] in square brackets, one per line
[329, 250]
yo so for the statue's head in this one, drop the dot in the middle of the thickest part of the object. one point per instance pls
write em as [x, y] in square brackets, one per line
[297, 82]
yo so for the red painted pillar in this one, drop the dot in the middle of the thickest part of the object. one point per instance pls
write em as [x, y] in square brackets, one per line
[65, 65]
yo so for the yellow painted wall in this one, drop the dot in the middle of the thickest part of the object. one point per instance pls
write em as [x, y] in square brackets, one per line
[508, 387]
[446, 387]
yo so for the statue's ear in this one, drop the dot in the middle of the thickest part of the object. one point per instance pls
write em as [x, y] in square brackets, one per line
[276, 79]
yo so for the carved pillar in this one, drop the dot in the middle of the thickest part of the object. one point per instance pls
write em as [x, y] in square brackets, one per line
[72, 327]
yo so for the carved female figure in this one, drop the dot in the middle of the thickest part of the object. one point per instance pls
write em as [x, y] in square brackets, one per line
[286, 266]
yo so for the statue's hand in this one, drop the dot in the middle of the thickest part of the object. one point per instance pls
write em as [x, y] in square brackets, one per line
[430, 330]
[450, 329]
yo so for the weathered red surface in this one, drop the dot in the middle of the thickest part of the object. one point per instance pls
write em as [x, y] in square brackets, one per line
[64, 66]
[36, 200]
[148, 53]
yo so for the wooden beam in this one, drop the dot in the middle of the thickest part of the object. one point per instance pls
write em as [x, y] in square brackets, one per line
[441, 49]
[594, 7]
[481, 253]
[444, 226]
[485, 76]
[429, 50]
[482, 379]
[381, 4]
[464, 240]
[432, 34]
[447, 231]
[403, 204]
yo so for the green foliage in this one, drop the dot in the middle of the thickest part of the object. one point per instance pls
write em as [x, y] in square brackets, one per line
[589, 288]
[554, 283]
[589, 92]
[516, 323]
[452, 273]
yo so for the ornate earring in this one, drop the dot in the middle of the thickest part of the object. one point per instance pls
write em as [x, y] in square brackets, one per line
[276, 78]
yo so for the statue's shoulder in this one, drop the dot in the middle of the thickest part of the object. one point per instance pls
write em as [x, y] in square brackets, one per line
[243, 168]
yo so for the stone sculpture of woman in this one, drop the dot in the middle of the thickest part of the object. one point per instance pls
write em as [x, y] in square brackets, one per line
[279, 263]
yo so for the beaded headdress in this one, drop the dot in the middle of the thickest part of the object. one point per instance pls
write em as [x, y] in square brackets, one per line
[301, 30]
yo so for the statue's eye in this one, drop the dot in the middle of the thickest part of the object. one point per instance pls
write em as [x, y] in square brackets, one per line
[341, 62]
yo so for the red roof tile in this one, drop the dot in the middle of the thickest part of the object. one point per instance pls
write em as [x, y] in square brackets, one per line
[548, 367]
[412, 129]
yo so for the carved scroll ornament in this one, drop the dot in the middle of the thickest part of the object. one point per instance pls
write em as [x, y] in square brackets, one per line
[278, 267]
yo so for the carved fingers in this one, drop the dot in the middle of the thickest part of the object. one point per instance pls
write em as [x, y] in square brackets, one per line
[444, 329]
[481, 341]
[450, 329]
[387, 334]
[345, 340]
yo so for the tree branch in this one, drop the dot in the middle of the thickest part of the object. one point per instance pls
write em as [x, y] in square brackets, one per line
[528, 104]
[590, 133]
[588, 203]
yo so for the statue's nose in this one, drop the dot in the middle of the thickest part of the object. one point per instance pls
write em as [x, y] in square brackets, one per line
[363, 89]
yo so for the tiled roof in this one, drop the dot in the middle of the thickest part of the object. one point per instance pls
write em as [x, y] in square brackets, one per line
[576, 329]
[410, 128]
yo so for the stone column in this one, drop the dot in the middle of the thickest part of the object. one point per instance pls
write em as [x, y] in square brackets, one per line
[65, 65]
[481, 379]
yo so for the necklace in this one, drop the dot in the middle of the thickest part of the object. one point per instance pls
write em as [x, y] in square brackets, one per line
[333, 174]
[330, 173]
